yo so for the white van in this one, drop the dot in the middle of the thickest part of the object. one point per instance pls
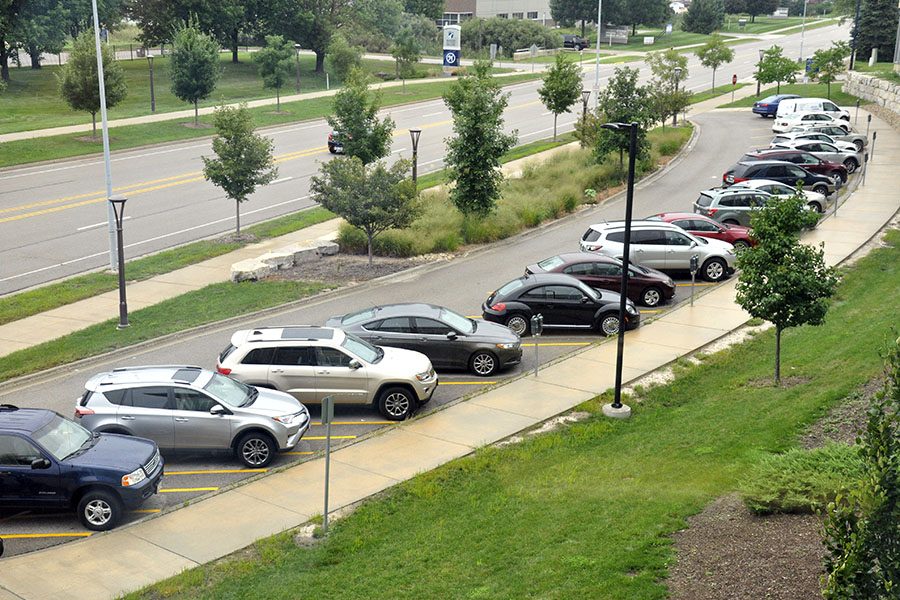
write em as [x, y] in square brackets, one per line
[811, 105]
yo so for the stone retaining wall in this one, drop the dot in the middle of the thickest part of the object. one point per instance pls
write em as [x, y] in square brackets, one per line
[880, 91]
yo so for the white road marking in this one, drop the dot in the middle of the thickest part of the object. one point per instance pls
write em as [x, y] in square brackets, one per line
[86, 227]
[281, 180]
[434, 114]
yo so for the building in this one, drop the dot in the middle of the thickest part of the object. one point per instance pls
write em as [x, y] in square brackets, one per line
[456, 11]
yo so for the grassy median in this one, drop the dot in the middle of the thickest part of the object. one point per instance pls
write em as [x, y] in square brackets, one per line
[587, 511]
[807, 90]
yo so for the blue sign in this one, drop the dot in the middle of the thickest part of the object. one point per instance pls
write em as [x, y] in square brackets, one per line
[451, 58]
[809, 66]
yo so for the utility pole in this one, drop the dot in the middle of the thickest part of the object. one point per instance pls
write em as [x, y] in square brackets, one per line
[597, 69]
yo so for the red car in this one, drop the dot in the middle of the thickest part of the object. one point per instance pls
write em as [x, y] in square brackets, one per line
[736, 235]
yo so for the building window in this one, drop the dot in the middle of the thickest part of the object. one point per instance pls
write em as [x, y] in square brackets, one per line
[502, 16]
[517, 15]
[533, 15]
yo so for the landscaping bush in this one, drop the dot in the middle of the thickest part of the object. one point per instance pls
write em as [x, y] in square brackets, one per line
[512, 34]
[801, 481]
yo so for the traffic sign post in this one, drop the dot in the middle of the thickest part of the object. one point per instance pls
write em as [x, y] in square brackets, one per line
[537, 327]
[733, 83]
[534, 51]
[493, 52]
[695, 266]
[327, 418]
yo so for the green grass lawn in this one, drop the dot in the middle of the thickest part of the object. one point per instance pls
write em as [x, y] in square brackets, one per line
[882, 70]
[766, 24]
[720, 90]
[811, 90]
[587, 511]
[661, 41]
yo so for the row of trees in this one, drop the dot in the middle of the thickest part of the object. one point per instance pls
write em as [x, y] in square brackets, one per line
[624, 12]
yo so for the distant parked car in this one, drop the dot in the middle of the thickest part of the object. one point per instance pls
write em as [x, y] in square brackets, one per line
[645, 286]
[335, 142]
[730, 205]
[849, 157]
[574, 41]
[768, 106]
[781, 171]
[810, 135]
[563, 301]
[838, 132]
[447, 338]
[812, 119]
[808, 105]
[814, 200]
[695, 224]
[801, 158]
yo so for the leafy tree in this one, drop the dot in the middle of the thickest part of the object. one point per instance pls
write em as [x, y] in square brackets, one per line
[432, 9]
[275, 63]
[759, 7]
[562, 87]
[473, 155]
[862, 526]
[828, 63]
[194, 67]
[704, 16]
[42, 28]
[310, 22]
[479, 34]
[363, 134]
[373, 198]
[735, 7]
[9, 18]
[376, 24]
[623, 101]
[775, 67]
[568, 12]
[877, 29]
[669, 68]
[406, 54]
[342, 57]
[646, 12]
[783, 281]
[244, 159]
[78, 82]
[713, 54]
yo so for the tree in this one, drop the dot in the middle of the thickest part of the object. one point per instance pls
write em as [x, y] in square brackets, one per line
[562, 87]
[42, 27]
[478, 34]
[736, 7]
[704, 16]
[363, 134]
[713, 54]
[78, 82]
[862, 525]
[568, 12]
[759, 7]
[406, 54]
[244, 159]
[275, 64]
[877, 29]
[828, 63]
[194, 66]
[473, 155]
[783, 281]
[9, 18]
[646, 12]
[433, 9]
[775, 67]
[623, 101]
[373, 198]
[310, 22]
[669, 68]
[342, 57]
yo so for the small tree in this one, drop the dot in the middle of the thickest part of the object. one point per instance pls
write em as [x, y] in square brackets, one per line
[704, 16]
[783, 281]
[669, 68]
[244, 159]
[78, 83]
[373, 198]
[194, 66]
[562, 87]
[342, 57]
[473, 155]
[828, 63]
[623, 101]
[275, 63]
[355, 117]
[775, 67]
[713, 54]
[406, 54]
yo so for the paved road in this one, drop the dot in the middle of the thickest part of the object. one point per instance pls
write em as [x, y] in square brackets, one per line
[53, 217]
[722, 137]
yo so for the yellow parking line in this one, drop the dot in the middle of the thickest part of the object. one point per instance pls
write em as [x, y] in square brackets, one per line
[216, 472]
[698, 283]
[473, 316]
[357, 423]
[468, 382]
[180, 490]
[31, 536]
[334, 437]
[147, 511]
[542, 344]
[645, 311]
[299, 453]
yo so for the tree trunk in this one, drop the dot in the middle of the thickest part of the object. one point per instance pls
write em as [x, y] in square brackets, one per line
[234, 46]
[634, 29]
[778, 88]
[554, 126]
[35, 56]
[582, 29]
[320, 61]
[277, 100]
[93, 124]
[621, 159]
[369, 235]
[237, 216]
[196, 115]
[777, 354]
[829, 90]
[714, 79]
[4, 60]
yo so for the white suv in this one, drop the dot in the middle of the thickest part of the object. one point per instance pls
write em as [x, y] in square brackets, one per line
[311, 363]
[661, 246]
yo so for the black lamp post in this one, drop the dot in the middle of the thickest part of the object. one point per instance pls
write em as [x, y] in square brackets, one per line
[761, 54]
[297, 48]
[853, 37]
[152, 94]
[118, 204]
[618, 408]
[677, 79]
[414, 134]
[585, 96]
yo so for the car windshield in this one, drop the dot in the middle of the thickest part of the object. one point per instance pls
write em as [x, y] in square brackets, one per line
[548, 264]
[62, 438]
[362, 349]
[229, 391]
[510, 287]
[356, 317]
[457, 321]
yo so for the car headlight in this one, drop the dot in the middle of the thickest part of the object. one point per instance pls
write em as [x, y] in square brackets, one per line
[631, 309]
[134, 478]
[508, 346]
[730, 251]
[425, 375]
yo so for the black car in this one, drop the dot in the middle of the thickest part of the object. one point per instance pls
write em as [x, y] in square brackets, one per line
[50, 462]
[449, 339]
[574, 41]
[335, 143]
[563, 301]
[781, 171]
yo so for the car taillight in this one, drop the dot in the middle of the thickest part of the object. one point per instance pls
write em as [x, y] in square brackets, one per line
[728, 178]
[81, 411]
[592, 248]
[223, 370]
[764, 105]
[711, 211]
[499, 307]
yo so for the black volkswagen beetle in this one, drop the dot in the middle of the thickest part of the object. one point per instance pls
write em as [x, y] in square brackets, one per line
[448, 339]
[564, 302]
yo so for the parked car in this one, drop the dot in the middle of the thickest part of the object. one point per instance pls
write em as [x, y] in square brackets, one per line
[812, 119]
[335, 143]
[661, 246]
[574, 41]
[820, 105]
[447, 338]
[50, 462]
[563, 301]
[703, 226]
[189, 408]
[814, 200]
[802, 158]
[781, 171]
[807, 135]
[311, 363]
[730, 205]
[838, 133]
[849, 157]
[645, 286]
[768, 106]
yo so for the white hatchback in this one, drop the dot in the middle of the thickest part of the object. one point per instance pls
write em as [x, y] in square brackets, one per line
[787, 122]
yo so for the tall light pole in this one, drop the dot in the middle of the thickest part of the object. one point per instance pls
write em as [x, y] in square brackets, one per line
[597, 68]
[152, 94]
[853, 37]
[803, 29]
[761, 54]
[414, 134]
[677, 79]
[617, 409]
[117, 203]
[297, 48]
[585, 96]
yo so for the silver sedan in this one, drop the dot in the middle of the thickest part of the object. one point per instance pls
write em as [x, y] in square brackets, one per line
[851, 159]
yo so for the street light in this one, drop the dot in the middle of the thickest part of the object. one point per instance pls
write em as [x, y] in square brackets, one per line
[297, 48]
[761, 54]
[617, 409]
[585, 96]
[597, 69]
[853, 37]
[803, 30]
[152, 94]
[675, 112]
[118, 207]
[414, 134]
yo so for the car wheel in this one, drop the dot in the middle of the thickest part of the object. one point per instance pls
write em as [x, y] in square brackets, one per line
[483, 363]
[816, 207]
[821, 188]
[714, 269]
[858, 144]
[396, 403]
[99, 510]
[837, 175]
[851, 165]
[256, 450]
[332, 150]
[740, 245]
[609, 324]
[651, 296]
[518, 323]
[730, 222]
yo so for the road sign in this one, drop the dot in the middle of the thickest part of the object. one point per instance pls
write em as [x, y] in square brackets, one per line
[493, 51]
[534, 50]
[668, 29]
[451, 58]
[734, 79]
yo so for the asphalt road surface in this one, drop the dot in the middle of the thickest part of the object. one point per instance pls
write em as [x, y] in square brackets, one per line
[53, 217]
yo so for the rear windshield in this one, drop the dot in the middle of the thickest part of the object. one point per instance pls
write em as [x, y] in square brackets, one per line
[548, 264]
[510, 287]
[704, 200]
[224, 353]
[591, 235]
[356, 317]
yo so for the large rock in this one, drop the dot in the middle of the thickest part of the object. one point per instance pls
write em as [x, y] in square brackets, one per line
[251, 269]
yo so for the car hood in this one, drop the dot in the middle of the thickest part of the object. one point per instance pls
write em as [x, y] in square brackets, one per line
[402, 363]
[493, 332]
[118, 452]
[716, 246]
[273, 403]
[736, 228]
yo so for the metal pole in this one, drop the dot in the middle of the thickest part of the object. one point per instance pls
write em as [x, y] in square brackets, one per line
[853, 37]
[597, 68]
[803, 29]
[327, 463]
[871, 154]
[118, 206]
[152, 93]
[110, 216]
[297, 48]
[856, 116]
[629, 200]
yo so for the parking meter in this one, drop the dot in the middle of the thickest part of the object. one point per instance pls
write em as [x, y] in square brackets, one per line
[537, 327]
[695, 266]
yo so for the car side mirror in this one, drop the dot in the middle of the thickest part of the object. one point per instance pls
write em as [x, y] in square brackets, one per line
[217, 409]
[40, 463]
[584, 299]
[354, 364]
[451, 335]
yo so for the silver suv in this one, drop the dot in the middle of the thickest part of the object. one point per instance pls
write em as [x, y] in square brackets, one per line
[182, 407]
[311, 363]
[662, 246]
[731, 205]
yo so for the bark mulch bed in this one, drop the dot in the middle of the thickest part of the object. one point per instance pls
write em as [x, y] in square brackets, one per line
[345, 269]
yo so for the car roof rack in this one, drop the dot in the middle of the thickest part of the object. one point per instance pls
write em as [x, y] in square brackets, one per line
[147, 367]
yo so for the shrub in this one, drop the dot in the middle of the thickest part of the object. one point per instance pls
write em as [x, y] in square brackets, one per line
[342, 57]
[801, 481]
[512, 34]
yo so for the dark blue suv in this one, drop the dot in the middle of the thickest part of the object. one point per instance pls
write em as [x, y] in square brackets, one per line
[768, 106]
[50, 462]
